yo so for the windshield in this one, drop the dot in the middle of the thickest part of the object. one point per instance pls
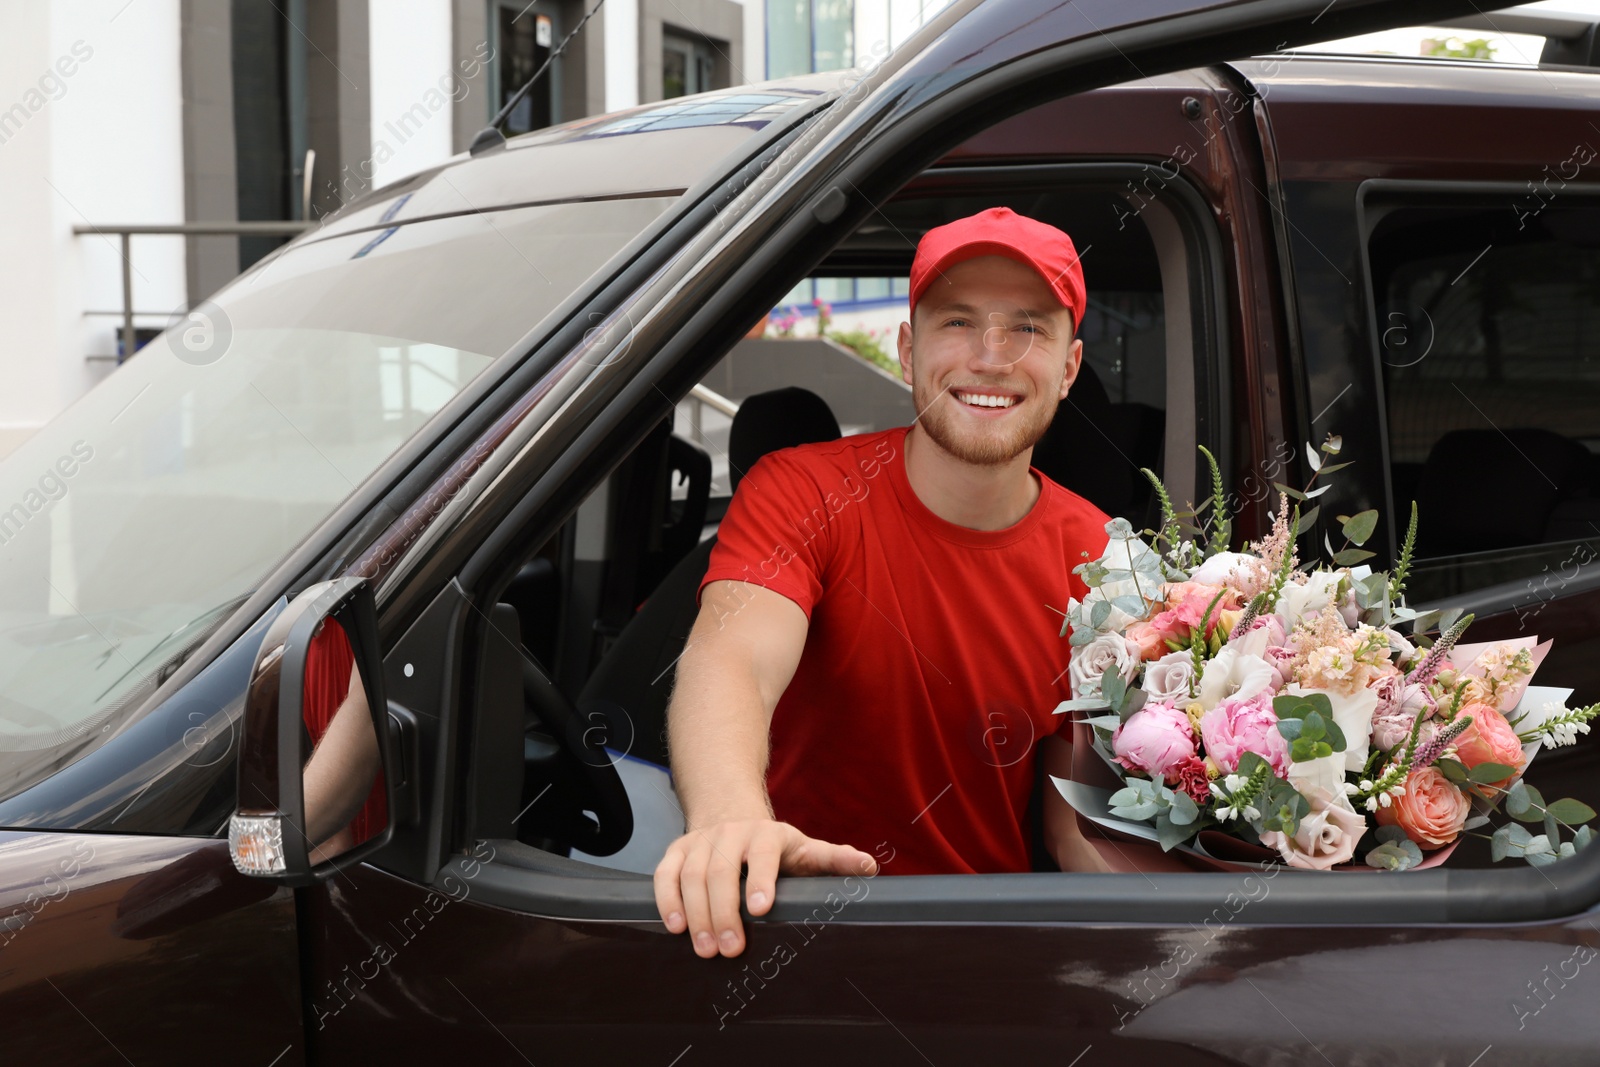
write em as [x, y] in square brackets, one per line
[136, 520]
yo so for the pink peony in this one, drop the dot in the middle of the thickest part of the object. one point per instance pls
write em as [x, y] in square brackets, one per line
[1236, 726]
[1154, 738]
[1431, 811]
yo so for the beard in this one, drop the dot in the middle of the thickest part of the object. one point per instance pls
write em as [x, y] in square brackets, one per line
[971, 440]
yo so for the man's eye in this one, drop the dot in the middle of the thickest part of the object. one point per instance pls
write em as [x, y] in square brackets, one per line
[1029, 327]
[958, 322]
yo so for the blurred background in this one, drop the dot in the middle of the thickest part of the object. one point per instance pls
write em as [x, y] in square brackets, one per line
[252, 119]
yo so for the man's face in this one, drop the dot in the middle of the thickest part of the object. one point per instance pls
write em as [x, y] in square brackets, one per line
[989, 354]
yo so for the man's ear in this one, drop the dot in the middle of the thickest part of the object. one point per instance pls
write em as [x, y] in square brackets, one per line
[1069, 373]
[903, 345]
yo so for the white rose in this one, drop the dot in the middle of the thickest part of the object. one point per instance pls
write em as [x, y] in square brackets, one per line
[1106, 652]
[1231, 673]
[1167, 679]
[1126, 554]
[1324, 838]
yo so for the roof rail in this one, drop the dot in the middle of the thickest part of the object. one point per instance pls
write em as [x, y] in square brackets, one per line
[1570, 37]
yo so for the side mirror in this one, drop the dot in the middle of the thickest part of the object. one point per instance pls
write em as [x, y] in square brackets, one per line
[317, 733]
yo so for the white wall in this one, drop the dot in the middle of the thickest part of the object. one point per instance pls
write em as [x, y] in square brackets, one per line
[92, 92]
[621, 23]
[412, 84]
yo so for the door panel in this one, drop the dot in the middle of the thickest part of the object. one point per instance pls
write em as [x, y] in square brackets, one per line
[117, 949]
[417, 971]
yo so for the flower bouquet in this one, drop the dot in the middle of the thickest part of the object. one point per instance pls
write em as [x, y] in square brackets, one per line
[1252, 709]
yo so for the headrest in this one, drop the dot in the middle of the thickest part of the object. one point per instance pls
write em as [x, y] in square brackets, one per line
[778, 419]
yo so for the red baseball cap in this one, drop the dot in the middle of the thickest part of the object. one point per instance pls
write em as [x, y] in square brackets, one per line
[999, 231]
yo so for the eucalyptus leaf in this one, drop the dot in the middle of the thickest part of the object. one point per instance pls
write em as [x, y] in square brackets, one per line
[1170, 833]
[1571, 811]
[1359, 527]
[1500, 843]
[1517, 804]
[1290, 728]
[1184, 809]
[1349, 557]
[1099, 614]
[1454, 770]
[1490, 772]
[1584, 835]
[1397, 855]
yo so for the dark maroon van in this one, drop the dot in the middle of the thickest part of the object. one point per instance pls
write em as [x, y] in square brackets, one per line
[473, 434]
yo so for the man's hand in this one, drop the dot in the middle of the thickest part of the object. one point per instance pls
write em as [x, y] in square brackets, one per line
[697, 881]
[1072, 851]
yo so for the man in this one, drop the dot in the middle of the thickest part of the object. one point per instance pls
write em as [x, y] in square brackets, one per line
[877, 646]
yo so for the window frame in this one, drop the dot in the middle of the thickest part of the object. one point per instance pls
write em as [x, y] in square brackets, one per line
[536, 882]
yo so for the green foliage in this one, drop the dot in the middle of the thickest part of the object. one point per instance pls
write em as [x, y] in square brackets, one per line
[865, 345]
[1457, 48]
[1395, 851]
[1221, 524]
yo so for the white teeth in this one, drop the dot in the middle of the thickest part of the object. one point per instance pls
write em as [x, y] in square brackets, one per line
[984, 400]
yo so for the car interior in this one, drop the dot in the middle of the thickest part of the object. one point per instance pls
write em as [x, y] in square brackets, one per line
[1481, 309]
[594, 620]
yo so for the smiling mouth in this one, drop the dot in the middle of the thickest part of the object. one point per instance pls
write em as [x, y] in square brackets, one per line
[986, 400]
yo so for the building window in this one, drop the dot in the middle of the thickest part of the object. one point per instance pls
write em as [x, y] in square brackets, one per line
[804, 36]
[525, 35]
[688, 65]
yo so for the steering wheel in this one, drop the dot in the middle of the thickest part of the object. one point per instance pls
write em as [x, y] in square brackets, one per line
[572, 795]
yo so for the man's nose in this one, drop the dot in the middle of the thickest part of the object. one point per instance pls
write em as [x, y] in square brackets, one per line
[996, 348]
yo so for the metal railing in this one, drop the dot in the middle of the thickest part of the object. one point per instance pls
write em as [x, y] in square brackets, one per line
[176, 229]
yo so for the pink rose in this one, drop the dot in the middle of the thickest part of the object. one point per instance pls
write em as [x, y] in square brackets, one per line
[1489, 739]
[1326, 837]
[1195, 598]
[1167, 626]
[1153, 739]
[1279, 659]
[1431, 811]
[1236, 726]
[1273, 625]
[1152, 643]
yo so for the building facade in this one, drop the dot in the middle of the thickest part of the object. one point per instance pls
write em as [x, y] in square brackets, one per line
[154, 112]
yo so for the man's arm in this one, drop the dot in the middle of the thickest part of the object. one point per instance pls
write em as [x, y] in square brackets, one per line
[1072, 851]
[740, 657]
[340, 773]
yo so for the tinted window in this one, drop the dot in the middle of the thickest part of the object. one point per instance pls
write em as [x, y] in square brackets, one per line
[1488, 322]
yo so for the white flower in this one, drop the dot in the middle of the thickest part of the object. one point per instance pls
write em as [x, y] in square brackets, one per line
[1231, 673]
[1125, 551]
[1218, 569]
[1104, 653]
[1353, 712]
[1167, 679]
[1301, 601]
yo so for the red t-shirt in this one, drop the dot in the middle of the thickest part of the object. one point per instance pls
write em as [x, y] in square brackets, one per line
[933, 663]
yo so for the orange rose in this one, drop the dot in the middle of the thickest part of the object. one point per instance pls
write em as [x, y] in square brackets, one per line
[1152, 642]
[1431, 811]
[1489, 739]
[1178, 592]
